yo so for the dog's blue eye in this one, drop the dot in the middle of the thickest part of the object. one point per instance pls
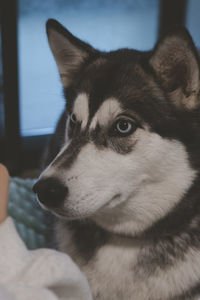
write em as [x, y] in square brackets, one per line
[73, 118]
[124, 127]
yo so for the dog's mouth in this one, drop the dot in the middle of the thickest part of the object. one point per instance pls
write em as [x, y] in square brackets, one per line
[70, 215]
[115, 201]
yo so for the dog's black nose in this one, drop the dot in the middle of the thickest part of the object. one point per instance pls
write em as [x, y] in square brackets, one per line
[51, 192]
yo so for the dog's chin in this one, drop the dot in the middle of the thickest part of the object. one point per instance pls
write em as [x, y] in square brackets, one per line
[113, 202]
[64, 215]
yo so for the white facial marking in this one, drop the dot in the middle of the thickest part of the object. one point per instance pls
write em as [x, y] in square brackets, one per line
[109, 109]
[81, 109]
[159, 175]
[128, 193]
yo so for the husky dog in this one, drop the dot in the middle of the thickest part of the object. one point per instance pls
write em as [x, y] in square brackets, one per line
[123, 166]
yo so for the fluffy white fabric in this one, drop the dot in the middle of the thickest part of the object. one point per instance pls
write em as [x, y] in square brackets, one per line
[39, 274]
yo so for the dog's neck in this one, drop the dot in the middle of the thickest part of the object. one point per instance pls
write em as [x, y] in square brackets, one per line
[183, 218]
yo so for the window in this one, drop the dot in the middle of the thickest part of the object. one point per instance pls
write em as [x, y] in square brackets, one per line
[193, 20]
[106, 24]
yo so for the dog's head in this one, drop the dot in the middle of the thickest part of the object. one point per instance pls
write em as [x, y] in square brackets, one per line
[131, 131]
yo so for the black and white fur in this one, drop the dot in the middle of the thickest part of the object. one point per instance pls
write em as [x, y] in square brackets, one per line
[129, 210]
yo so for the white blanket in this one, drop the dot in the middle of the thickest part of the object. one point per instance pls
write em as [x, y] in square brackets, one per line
[41, 274]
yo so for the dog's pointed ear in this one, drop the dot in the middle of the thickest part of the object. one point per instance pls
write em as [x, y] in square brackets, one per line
[69, 52]
[176, 64]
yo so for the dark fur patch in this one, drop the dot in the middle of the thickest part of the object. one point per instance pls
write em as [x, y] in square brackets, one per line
[189, 295]
[56, 141]
[66, 159]
[102, 139]
[88, 238]
[170, 238]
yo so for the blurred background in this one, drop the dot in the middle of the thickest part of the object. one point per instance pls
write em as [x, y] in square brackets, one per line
[31, 97]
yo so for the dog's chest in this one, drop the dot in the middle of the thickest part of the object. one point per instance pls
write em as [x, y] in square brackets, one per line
[122, 269]
[111, 273]
[111, 269]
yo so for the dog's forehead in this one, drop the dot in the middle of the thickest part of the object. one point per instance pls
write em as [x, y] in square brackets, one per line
[104, 90]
